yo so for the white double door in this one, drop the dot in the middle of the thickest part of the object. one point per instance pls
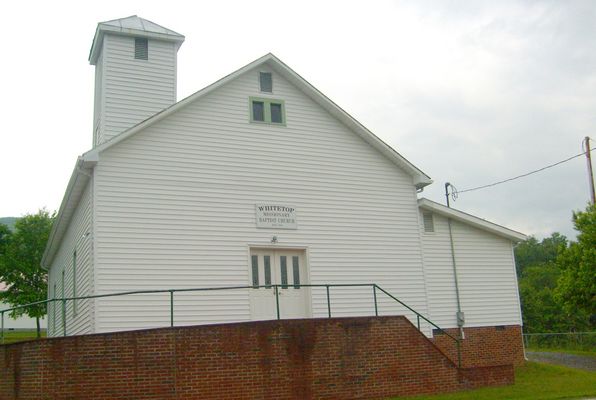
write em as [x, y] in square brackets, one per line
[285, 268]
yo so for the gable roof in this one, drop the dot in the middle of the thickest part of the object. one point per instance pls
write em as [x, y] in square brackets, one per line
[79, 178]
[86, 162]
[471, 220]
[419, 178]
[133, 26]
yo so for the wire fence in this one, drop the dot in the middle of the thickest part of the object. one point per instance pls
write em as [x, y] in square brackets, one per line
[579, 341]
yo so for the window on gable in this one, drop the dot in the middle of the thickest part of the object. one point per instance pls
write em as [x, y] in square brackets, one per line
[429, 224]
[266, 82]
[271, 111]
[141, 49]
[258, 111]
[276, 113]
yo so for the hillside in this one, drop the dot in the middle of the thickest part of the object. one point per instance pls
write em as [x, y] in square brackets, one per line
[8, 221]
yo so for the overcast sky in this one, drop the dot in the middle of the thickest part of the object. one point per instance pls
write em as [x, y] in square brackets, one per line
[470, 92]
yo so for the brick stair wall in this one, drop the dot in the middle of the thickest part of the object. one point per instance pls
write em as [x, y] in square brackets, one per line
[337, 358]
[485, 346]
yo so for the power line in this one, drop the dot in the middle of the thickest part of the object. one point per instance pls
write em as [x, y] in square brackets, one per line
[524, 175]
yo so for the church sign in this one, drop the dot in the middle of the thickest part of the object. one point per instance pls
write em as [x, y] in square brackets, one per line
[276, 216]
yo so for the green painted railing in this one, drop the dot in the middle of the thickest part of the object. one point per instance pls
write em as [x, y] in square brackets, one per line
[373, 286]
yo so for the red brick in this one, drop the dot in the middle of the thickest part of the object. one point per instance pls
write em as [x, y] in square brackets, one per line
[338, 358]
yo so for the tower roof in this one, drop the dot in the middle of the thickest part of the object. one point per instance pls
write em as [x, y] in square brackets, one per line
[131, 26]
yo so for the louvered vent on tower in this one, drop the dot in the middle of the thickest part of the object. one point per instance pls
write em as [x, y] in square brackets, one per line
[123, 74]
[141, 49]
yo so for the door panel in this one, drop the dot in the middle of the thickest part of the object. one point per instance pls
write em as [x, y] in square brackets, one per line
[286, 268]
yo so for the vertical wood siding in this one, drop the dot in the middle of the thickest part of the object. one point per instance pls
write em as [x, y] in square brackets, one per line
[133, 90]
[486, 272]
[74, 239]
[176, 208]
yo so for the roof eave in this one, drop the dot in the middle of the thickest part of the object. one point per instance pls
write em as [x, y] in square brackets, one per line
[421, 181]
[419, 178]
[472, 220]
[101, 29]
[91, 154]
[78, 180]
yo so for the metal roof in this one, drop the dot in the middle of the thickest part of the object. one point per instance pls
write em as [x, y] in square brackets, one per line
[132, 26]
[138, 23]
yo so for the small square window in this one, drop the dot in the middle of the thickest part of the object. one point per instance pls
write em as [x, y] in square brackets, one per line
[276, 113]
[141, 49]
[258, 111]
[266, 82]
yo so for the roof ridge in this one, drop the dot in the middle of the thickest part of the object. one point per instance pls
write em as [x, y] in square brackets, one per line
[131, 25]
[117, 19]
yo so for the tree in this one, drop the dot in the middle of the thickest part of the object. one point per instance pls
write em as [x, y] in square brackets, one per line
[532, 252]
[4, 237]
[20, 267]
[542, 312]
[577, 285]
[538, 275]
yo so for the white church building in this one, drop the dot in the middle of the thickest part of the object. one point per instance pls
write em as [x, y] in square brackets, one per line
[257, 179]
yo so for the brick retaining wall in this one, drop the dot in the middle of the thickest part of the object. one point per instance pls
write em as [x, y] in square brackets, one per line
[485, 346]
[338, 358]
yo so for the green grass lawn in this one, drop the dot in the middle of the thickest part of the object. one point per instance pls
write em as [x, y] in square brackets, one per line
[534, 381]
[18, 336]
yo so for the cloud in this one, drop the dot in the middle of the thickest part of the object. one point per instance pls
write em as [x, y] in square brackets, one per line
[470, 92]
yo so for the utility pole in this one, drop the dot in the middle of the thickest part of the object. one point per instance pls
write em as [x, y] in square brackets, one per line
[447, 192]
[590, 174]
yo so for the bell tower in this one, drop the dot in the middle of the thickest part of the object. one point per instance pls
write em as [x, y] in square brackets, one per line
[135, 73]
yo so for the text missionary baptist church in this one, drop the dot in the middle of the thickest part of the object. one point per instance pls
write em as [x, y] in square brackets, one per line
[276, 217]
[257, 179]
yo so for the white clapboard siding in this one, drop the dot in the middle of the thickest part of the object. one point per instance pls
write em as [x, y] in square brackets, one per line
[438, 269]
[486, 272]
[98, 120]
[132, 90]
[78, 237]
[176, 208]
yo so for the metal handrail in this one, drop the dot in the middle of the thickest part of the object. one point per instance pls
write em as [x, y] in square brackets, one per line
[276, 287]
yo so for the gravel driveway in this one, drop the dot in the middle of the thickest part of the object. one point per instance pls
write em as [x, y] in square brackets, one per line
[569, 360]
